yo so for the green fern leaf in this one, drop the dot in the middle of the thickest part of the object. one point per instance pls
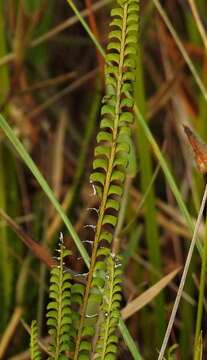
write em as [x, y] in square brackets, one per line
[34, 347]
[106, 347]
[59, 319]
[112, 155]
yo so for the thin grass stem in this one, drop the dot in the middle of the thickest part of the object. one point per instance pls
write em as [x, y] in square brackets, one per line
[183, 278]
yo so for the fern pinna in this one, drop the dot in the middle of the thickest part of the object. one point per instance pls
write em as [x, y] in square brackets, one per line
[111, 154]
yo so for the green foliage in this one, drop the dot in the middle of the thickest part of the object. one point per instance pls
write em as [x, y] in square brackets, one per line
[34, 347]
[59, 311]
[44, 37]
[107, 342]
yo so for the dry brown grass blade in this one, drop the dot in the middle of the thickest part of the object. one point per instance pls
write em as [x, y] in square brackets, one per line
[20, 43]
[95, 31]
[71, 87]
[167, 216]
[9, 332]
[164, 94]
[145, 298]
[58, 80]
[199, 149]
[38, 250]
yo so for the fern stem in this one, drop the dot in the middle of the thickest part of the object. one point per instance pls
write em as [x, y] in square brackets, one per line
[106, 185]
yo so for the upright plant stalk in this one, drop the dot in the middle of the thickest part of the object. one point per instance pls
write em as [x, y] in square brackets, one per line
[183, 278]
[201, 289]
[113, 140]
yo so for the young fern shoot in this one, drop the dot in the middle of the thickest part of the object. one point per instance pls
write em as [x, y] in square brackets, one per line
[111, 154]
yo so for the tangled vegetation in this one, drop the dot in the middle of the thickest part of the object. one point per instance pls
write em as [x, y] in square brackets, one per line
[96, 150]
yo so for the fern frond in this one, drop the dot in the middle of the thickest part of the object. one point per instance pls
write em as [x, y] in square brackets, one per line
[106, 347]
[114, 138]
[34, 347]
[112, 151]
[59, 308]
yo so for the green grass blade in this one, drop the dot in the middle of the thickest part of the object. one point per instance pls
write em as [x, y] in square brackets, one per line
[129, 341]
[146, 175]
